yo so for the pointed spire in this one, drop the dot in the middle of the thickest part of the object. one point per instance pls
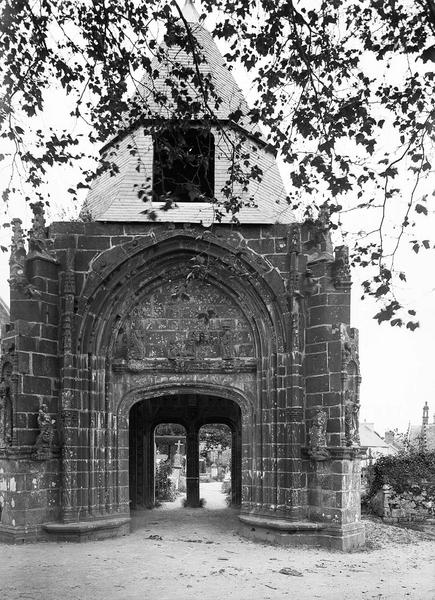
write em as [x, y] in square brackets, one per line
[39, 243]
[190, 13]
[425, 414]
[18, 255]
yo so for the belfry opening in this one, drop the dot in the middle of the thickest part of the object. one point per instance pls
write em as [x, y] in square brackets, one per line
[179, 453]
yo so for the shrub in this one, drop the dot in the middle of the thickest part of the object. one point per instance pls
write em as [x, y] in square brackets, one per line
[165, 490]
[402, 471]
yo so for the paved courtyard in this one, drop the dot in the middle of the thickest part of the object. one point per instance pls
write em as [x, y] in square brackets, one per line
[181, 554]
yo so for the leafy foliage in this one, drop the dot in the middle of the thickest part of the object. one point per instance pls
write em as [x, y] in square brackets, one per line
[331, 84]
[214, 436]
[165, 491]
[402, 471]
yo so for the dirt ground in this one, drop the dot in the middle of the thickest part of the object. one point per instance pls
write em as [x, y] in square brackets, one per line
[179, 554]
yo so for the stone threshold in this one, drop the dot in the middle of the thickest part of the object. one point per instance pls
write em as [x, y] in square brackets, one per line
[281, 524]
[83, 531]
[85, 526]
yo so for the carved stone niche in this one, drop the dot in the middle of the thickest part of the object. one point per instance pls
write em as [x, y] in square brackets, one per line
[317, 443]
[350, 384]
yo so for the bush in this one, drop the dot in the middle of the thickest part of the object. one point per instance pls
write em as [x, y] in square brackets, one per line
[402, 471]
[165, 490]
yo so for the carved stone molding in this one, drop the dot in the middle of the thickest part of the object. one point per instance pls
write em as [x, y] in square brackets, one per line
[186, 365]
[340, 452]
[69, 290]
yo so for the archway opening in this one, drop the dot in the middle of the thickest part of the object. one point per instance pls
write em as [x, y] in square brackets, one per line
[156, 428]
[215, 472]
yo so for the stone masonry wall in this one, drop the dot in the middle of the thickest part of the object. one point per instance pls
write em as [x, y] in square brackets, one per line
[288, 313]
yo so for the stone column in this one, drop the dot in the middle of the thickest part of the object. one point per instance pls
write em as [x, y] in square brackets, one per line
[148, 481]
[192, 469]
[236, 476]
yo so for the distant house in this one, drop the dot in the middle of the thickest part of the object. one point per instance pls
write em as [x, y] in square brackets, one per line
[376, 446]
[423, 436]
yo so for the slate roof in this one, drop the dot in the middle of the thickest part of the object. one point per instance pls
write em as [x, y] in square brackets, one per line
[115, 198]
[369, 437]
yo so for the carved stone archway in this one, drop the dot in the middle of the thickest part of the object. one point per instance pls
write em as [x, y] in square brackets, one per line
[224, 404]
[192, 411]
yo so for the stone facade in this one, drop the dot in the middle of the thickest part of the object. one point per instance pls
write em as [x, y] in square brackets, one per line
[141, 317]
[111, 315]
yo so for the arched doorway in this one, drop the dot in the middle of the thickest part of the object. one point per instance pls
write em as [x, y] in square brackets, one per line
[191, 411]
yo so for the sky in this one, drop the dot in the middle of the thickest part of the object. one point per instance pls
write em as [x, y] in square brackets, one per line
[397, 365]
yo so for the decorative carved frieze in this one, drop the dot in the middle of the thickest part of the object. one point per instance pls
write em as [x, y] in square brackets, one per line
[179, 322]
[186, 365]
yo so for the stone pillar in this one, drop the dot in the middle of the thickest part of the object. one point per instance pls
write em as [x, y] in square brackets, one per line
[192, 469]
[146, 440]
[236, 478]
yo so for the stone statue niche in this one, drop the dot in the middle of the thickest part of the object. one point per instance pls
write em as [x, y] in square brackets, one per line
[351, 405]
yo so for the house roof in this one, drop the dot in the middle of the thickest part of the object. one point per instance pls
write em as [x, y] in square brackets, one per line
[369, 437]
[116, 197]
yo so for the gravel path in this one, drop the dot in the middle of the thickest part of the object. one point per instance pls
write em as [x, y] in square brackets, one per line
[180, 554]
